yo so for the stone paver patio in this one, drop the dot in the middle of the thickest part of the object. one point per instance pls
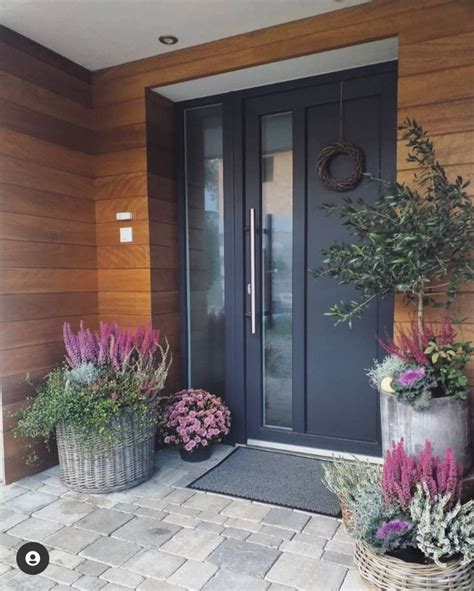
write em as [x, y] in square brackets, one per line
[161, 536]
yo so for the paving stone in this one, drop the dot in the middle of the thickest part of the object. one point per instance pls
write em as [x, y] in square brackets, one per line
[123, 577]
[103, 521]
[35, 529]
[165, 476]
[30, 483]
[181, 520]
[153, 513]
[92, 568]
[278, 532]
[87, 583]
[306, 574]
[110, 551]
[209, 526]
[65, 511]
[246, 510]
[286, 518]
[278, 587]
[194, 544]
[114, 587]
[236, 533]
[155, 585]
[54, 489]
[65, 559]
[147, 503]
[8, 541]
[30, 502]
[146, 531]
[179, 497]
[352, 582]
[226, 580]
[185, 481]
[18, 581]
[322, 526]
[9, 518]
[7, 556]
[264, 540]
[154, 564]
[339, 558]
[341, 547]
[193, 575]
[61, 587]
[72, 539]
[242, 557]
[10, 492]
[343, 535]
[301, 548]
[318, 541]
[4, 568]
[179, 510]
[125, 507]
[212, 517]
[250, 526]
[207, 502]
[60, 574]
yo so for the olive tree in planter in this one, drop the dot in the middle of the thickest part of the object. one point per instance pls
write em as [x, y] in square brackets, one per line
[416, 242]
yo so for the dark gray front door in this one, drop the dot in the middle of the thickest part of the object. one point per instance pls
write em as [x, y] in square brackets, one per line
[305, 377]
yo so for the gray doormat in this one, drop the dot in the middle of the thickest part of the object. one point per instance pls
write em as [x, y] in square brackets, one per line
[271, 477]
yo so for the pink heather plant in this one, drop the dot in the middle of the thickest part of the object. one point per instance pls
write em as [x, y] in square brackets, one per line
[193, 419]
[110, 346]
[402, 473]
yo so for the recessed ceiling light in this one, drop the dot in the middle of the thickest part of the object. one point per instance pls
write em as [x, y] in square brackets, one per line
[168, 39]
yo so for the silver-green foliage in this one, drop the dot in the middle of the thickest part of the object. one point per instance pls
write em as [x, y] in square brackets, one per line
[390, 366]
[347, 478]
[442, 534]
[86, 373]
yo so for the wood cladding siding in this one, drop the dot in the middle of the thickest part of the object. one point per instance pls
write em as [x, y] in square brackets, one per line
[48, 253]
[436, 69]
[71, 158]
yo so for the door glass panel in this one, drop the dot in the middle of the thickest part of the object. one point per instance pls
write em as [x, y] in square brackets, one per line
[205, 239]
[277, 267]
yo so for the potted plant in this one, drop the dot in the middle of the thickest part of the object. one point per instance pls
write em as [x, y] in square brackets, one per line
[423, 390]
[192, 421]
[415, 242]
[348, 480]
[102, 405]
[411, 530]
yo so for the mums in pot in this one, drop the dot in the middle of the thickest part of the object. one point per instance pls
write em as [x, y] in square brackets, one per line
[193, 420]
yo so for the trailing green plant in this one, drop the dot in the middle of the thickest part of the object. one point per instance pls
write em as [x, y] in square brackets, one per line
[90, 395]
[412, 241]
[347, 478]
[442, 533]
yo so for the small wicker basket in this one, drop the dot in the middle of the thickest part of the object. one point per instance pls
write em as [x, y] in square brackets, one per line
[105, 466]
[386, 573]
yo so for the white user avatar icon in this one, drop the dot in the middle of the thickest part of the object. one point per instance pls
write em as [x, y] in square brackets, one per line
[32, 558]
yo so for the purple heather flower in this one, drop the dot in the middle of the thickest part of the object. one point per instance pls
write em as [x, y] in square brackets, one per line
[411, 376]
[393, 529]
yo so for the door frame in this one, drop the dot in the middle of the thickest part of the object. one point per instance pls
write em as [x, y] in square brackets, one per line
[234, 223]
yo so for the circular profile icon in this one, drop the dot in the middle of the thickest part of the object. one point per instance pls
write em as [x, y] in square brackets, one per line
[32, 558]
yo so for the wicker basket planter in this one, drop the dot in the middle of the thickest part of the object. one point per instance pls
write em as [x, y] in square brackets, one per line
[391, 574]
[105, 466]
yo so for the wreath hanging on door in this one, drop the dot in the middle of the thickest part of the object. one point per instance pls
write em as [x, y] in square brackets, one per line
[344, 147]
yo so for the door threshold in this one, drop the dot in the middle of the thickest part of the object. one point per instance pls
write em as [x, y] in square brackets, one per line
[312, 451]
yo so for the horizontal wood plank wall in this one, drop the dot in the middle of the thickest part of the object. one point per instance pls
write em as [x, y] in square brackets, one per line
[47, 221]
[436, 70]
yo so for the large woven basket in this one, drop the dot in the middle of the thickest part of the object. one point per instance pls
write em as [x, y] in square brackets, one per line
[383, 572]
[104, 466]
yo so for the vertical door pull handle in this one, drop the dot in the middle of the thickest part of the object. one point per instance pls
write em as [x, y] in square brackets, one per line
[251, 287]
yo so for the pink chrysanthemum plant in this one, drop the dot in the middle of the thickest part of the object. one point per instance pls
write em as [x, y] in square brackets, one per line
[193, 419]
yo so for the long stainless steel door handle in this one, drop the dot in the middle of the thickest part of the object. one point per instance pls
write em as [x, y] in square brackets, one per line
[252, 287]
